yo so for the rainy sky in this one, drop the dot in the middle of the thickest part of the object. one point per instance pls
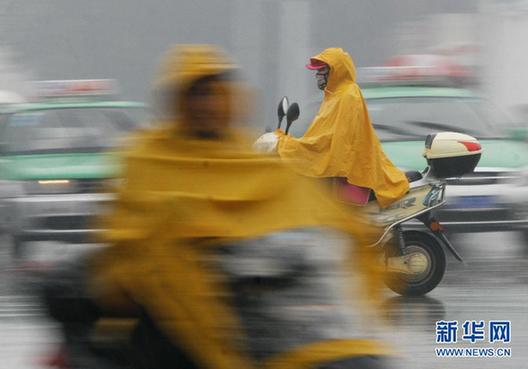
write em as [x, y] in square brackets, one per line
[123, 39]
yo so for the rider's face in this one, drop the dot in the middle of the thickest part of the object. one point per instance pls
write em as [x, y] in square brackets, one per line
[208, 108]
[322, 77]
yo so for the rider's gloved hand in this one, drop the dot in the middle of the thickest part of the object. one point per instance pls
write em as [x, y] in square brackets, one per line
[267, 142]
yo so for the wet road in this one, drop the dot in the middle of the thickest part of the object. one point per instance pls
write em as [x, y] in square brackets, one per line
[26, 336]
[492, 285]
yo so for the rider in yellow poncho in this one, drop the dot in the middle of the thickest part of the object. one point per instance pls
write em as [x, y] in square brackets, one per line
[341, 141]
[191, 186]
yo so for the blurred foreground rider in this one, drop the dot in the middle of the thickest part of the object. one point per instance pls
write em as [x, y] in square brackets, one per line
[227, 257]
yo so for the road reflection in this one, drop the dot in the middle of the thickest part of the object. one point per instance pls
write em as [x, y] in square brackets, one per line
[401, 311]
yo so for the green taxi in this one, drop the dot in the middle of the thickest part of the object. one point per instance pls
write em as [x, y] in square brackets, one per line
[404, 115]
[56, 165]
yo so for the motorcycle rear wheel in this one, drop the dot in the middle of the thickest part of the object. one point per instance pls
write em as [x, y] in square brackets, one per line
[419, 284]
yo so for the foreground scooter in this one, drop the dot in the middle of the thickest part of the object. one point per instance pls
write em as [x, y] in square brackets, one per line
[416, 259]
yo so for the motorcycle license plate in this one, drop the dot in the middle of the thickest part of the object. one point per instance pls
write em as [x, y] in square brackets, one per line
[475, 202]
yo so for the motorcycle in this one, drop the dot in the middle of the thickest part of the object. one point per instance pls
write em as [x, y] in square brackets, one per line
[415, 260]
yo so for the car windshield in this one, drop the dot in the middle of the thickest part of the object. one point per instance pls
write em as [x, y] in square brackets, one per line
[68, 130]
[416, 117]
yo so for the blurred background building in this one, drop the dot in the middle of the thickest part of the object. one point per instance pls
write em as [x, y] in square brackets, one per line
[272, 39]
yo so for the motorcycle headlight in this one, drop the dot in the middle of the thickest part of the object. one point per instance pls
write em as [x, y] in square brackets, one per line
[49, 186]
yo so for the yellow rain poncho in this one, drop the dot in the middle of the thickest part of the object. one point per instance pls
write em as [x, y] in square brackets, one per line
[341, 141]
[181, 197]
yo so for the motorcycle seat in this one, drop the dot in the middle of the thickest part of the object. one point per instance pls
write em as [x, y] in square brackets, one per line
[413, 175]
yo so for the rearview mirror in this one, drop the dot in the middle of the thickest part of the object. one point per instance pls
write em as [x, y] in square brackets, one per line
[292, 115]
[284, 104]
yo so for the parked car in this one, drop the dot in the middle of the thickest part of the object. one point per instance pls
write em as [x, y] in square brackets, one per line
[56, 162]
[404, 115]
